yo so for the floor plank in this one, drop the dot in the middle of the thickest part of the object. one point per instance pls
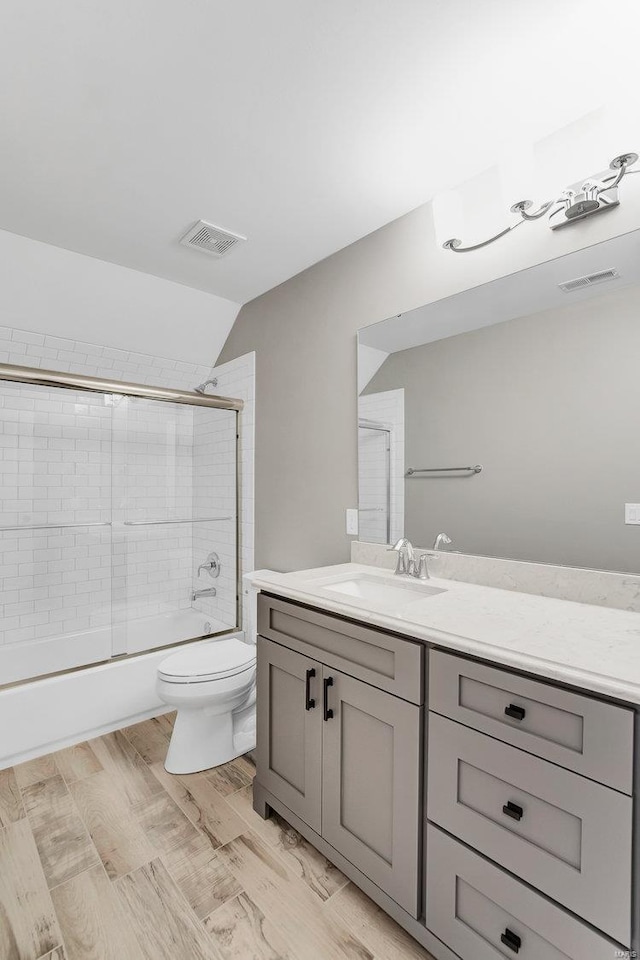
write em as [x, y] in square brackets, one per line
[62, 839]
[33, 771]
[308, 864]
[164, 823]
[118, 836]
[205, 882]
[230, 777]
[119, 758]
[92, 920]
[77, 762]
[242, 803]
[364, 918]
[150, 738]
[202, 804]
[288, 902]
[166, 721]
[165, 926]
[11, 806]
[28, 926]
[241, 931]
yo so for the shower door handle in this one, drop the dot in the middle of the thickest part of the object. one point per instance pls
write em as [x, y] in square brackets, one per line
[309, 702]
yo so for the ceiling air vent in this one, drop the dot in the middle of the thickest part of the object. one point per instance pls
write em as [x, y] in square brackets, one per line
[589, 280]
[211, 239]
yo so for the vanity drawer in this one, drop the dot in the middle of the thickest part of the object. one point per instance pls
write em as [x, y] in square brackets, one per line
[577, 732]
[471, 904]
[567, 836]
[387, 662]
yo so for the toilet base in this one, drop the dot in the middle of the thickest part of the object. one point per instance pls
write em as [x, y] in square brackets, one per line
[202, 740]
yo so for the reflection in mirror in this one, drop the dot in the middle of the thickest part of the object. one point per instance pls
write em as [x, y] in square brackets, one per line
[536, 380]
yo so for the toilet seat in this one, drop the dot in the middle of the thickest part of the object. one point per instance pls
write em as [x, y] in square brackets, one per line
[211, 661]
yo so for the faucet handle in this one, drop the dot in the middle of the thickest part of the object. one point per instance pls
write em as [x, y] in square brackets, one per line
[404, 549]
[402, 544]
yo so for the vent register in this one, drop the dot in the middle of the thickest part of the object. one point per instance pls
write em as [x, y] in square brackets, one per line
[588, 280]
[211, 239]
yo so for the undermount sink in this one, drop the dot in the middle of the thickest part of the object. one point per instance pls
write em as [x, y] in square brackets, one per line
[365, 587]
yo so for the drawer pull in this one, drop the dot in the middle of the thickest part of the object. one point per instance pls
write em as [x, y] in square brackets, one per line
[511, 940]
[516, 713]
[512, 810]
[328, 713]
[309, 702]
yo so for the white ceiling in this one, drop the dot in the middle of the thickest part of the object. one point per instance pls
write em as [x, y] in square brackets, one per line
[302, 124]
[520, 294]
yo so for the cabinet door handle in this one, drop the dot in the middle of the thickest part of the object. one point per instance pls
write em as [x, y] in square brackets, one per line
[516, 713]
[511, 940]
[328, 714]
[512, 810]
[309, 702]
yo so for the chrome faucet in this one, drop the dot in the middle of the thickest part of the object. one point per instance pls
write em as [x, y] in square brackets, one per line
[208, 592]
[407, 563]
[441, 538]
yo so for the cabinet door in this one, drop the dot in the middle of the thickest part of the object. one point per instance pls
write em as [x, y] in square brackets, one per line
[371, 783]
[289, 749]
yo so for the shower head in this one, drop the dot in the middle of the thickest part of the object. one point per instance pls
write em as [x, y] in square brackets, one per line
[213, 382]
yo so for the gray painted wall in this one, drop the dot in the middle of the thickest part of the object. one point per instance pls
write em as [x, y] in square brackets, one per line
[549, 405]
[304, 335]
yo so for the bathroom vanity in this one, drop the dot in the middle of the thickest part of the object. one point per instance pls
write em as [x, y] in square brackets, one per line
[464, 754]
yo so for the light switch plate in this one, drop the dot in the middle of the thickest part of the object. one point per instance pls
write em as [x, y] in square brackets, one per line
[632, 513]
[352, 523]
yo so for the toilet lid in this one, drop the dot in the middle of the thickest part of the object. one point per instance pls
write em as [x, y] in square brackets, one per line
[208, 661]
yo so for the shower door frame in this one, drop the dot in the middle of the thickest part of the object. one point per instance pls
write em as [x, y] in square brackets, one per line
[36, 376]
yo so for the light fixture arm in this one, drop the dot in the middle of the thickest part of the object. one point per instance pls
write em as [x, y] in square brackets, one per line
[456, 246]
[603, 186]
[522, 206]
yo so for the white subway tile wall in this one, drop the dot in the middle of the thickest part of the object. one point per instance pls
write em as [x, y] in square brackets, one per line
[92, 360]
[55, 469]
[386, 409]
[78, 457]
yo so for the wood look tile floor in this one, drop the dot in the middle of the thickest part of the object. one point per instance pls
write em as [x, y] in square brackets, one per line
[105, 856]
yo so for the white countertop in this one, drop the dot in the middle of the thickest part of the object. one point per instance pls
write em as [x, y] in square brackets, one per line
[597, 648]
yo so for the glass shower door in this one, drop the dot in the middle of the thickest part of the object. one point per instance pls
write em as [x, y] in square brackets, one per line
[55, 530]
[174, 523]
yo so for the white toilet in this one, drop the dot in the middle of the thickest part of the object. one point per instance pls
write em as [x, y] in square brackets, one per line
[212, 686]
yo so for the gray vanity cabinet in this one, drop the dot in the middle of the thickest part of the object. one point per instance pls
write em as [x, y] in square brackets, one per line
[290, 741]
[340, 753]
[371, 785]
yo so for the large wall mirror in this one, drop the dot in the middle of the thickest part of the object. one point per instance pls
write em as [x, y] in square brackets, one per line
[507, 416]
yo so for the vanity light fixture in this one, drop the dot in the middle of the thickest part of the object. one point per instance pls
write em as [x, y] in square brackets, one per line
[576, 202]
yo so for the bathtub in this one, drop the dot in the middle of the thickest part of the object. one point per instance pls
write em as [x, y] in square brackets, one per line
[41, 716]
